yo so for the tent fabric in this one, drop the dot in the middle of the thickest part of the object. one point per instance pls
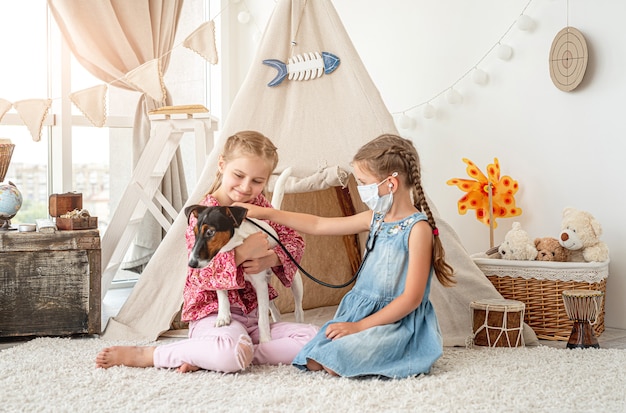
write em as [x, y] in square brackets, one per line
[317, 126]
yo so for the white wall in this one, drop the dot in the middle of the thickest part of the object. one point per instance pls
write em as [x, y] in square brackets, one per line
[564, 148]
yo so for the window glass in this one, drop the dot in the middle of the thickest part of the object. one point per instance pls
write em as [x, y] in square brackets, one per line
[23, 75]
[92, 172]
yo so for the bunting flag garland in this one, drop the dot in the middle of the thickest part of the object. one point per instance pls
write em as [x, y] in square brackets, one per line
[92, 102]
[33, 112]
[149, 79]
[5, 105]
[202, 41]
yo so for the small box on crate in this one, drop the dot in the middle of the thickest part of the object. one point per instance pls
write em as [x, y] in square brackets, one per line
[67, 210]
[72, 222]
[60, 204]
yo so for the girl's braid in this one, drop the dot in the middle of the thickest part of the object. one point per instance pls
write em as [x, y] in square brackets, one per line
[415, 180]
[443, 270]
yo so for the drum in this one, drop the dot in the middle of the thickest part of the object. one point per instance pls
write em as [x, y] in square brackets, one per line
[582, 307]
[497, 322]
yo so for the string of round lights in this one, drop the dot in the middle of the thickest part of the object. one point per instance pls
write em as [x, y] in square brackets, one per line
[502, 50]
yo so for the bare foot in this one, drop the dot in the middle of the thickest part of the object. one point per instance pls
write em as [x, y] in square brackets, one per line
[131, 356]
[331, 372]
[187, 368]
[313, 365]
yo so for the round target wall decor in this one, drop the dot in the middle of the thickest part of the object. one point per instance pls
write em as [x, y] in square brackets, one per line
[568, 59]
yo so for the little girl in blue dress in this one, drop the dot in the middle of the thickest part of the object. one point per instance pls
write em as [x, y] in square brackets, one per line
[386, 325]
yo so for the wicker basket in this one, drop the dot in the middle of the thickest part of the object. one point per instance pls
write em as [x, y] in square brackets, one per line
[6, 151]
[540, 284]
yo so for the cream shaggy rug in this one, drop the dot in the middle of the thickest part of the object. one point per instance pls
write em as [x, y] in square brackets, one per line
[58, 375]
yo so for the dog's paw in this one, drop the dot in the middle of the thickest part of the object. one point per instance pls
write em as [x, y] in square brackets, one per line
[222, 321]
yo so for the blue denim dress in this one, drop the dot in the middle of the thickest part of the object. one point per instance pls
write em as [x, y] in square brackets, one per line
[405, 348]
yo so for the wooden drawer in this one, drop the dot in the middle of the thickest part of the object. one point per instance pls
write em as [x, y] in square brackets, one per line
[49, 283]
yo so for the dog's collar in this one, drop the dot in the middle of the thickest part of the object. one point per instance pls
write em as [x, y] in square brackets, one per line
[230, 214]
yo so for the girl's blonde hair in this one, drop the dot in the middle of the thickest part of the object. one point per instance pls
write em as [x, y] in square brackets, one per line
[247, 143]
[388, 154]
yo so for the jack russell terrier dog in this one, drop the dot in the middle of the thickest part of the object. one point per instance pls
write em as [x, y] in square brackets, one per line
[220, 229]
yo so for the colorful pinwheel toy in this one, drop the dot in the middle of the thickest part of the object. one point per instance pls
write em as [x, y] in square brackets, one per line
[484, 191]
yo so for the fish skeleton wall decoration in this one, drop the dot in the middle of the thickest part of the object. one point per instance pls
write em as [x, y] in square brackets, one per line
[304, 66]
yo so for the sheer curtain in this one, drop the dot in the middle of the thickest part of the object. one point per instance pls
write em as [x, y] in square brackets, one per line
[110, 38]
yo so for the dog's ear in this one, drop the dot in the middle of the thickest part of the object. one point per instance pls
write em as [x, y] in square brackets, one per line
[195, 210]
[239, 213]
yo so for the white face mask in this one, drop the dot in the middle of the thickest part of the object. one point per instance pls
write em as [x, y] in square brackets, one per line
[369, 196]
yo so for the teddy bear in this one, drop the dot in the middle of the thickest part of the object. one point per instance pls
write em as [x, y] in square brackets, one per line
[549, 249]
[517, 245]
[580, 233]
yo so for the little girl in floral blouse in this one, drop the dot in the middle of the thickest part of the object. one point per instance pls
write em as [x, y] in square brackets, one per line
[247, 161]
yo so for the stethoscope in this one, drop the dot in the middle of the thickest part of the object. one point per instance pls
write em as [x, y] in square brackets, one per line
[369, 247]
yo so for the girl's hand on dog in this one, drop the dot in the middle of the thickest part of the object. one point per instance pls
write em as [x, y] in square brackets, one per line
[254, 211]
[255, 246]
[256, 265]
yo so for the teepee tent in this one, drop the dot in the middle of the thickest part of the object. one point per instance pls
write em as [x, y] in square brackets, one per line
[317, 125]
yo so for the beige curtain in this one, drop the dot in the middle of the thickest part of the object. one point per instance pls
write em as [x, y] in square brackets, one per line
[110, 38]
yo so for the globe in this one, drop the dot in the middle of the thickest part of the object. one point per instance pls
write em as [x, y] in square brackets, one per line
[10, 202]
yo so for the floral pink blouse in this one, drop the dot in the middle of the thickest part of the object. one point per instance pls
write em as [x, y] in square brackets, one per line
[200, 298]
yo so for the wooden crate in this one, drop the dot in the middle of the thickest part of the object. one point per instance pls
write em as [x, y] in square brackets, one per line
[50, 283]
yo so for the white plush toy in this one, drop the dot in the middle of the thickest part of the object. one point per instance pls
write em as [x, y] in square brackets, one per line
[580, 232]
[517, 245]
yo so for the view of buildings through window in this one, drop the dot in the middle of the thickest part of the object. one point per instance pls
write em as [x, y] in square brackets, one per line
[34, 51]
[24, 76]
[101, 157]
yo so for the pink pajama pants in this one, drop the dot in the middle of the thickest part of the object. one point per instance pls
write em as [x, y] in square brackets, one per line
[234, 347]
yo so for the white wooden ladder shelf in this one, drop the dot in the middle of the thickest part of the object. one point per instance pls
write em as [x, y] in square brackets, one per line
[143, 190]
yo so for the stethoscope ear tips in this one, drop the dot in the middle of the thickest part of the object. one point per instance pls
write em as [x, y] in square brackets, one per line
[393, 175]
